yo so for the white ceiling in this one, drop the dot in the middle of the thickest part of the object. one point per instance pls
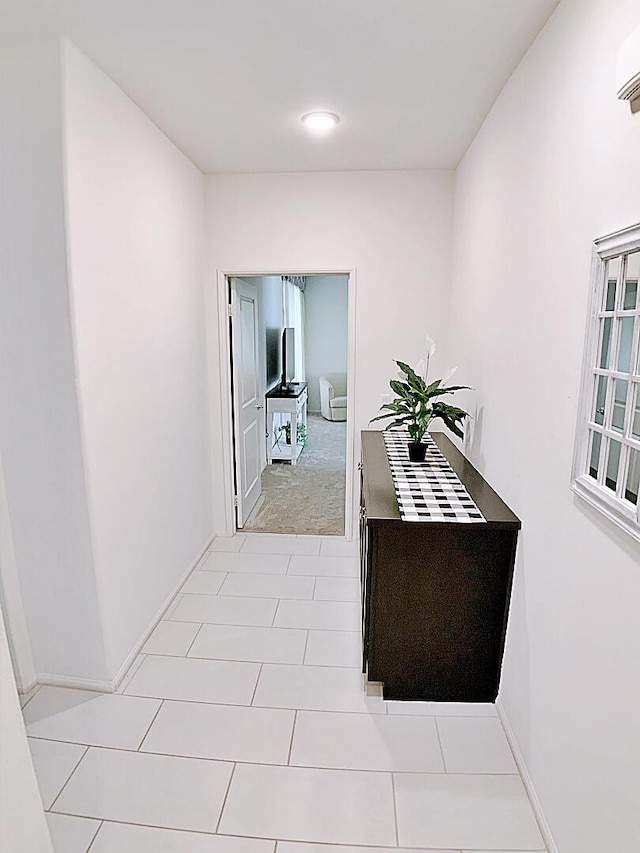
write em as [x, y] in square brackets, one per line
[228, 80]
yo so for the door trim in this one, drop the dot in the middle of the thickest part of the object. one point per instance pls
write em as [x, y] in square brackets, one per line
[224, 366]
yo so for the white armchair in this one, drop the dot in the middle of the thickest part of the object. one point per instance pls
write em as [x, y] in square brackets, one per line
[333, 396]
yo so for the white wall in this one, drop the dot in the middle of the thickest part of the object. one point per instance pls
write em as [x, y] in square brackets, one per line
[555, 166]
[23, 827]
[39, 424]
[326, 303]
[136, 257]
[12, 601]
[393, 227]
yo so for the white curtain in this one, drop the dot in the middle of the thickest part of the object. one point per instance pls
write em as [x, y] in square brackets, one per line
[293, 300]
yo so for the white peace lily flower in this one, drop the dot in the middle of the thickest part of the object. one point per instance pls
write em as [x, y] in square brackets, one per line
[448, 375]
[422, 367]
[430, 345]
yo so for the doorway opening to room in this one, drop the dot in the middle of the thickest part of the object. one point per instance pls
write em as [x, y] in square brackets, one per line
[289, 360]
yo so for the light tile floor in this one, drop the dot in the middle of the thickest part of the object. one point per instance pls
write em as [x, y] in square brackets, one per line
[245, 727]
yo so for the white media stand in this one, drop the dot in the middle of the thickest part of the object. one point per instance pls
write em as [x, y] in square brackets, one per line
[292, 401]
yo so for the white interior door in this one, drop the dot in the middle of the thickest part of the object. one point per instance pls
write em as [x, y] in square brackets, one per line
[247, 397]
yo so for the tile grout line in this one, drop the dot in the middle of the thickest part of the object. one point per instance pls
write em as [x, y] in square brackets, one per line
[33, 692]
[95, 835]
[253, 595]
[131, 673]
[247, 762]
[186, 654]
[75, 767]
[306, 645]
[286, 574]
[207, 833]
[293, 731]
[225, 575]
[218, 593]
[140, 745]
[232, 625]
[241, 625]
[253, 625]
[341, 669]
[255, 687]
[275, 615]
[395, 808]
[224, 801]
[276, 841]
[247, 705]
[444, 762]
[283, 663]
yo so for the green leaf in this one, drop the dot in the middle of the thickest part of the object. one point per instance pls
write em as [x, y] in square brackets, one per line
[398, 406]
[402, 389]
[453, 388]
[415, 381]
[440, 392]
[391, 415]
[407, 370]
[395, 424]
[452, 416]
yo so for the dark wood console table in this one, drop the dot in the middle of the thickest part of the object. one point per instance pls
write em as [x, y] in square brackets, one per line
[435, 594]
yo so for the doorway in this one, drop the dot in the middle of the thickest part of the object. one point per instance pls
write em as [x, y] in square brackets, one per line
[290, 378]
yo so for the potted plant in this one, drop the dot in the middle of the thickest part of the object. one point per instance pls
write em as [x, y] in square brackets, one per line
[285, 429]
[416, 404]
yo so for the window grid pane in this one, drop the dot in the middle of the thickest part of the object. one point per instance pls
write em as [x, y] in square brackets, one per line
[605, 346]
[600, 399]
[632, 274]
[613, 465]
[633, 477]
[594, 455]
[619, 405]
[630, 295]
[635, 413]
[612, 273]
[625, 341]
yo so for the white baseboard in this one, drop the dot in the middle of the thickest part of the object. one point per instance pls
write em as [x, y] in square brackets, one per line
[111, 686]
[77, 683]
[544, 827]
[135, 651]
[25, 688]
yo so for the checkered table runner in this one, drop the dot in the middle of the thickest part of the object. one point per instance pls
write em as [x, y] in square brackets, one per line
[429, 490]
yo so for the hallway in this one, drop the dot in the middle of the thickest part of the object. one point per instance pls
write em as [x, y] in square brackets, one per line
[308, 498]
[243, 727]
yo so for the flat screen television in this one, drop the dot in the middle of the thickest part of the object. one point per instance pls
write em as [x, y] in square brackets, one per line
[288, 356]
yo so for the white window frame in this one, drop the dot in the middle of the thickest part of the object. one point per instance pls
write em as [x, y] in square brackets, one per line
[613, 505]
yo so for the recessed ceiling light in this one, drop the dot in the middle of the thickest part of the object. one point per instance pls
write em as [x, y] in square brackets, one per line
[320, 121]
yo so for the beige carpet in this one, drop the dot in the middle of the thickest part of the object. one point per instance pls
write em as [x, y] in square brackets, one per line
[308, 497]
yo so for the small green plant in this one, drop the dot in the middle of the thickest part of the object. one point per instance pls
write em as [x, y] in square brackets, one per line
[285, 429]
[414, 406]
